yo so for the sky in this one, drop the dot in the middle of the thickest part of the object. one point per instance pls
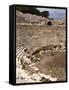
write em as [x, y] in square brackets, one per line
[54, 13]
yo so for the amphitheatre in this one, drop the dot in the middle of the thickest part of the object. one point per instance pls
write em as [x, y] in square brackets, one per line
[40, 49]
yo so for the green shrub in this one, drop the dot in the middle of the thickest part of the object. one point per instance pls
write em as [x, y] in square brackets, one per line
[49, 23]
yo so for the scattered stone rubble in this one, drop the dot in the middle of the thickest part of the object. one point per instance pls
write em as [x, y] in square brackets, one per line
[26, 71]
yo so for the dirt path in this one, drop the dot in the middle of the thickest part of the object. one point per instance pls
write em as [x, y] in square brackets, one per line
[53, 65]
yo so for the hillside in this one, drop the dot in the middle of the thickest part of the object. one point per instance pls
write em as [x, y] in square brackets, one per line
[33, 33]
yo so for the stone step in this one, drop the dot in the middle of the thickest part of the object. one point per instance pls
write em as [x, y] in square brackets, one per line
[19, 55]
[19, 48]
[18, 52]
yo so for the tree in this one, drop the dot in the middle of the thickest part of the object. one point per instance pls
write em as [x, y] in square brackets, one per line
[45, 14]
[49, 23]
[32, 10]
[28, 9]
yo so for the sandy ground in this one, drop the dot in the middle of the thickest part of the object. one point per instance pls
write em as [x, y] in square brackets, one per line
[53, 65]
